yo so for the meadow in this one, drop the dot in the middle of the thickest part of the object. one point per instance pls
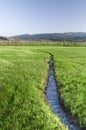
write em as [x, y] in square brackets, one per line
[70, 69]
[70, 65]
[23, 76]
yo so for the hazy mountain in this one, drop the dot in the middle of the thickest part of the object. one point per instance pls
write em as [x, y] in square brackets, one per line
[70, 36]
[3, 38]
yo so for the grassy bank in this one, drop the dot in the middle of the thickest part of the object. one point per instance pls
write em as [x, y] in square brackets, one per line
[23, 72]
[70, 65]
[70, 68]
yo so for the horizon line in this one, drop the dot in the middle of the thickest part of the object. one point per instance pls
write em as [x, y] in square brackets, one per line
[42, 33]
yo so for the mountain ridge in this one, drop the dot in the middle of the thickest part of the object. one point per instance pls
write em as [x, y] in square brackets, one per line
[66, 36]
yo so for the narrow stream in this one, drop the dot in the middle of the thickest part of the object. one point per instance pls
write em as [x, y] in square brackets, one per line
[53, 98]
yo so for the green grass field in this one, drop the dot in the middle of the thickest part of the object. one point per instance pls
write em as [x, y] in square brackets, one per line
[70, 68]
[23, 74]
[70, 64]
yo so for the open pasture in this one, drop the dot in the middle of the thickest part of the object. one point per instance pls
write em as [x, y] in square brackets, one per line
[23, 75]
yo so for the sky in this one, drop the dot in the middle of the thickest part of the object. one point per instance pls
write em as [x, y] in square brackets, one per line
[42, 16]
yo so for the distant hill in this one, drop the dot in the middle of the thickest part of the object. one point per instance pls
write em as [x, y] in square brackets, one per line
[3, 38]
[70, 36]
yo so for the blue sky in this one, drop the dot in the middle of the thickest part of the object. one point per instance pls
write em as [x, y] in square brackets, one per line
[42, 16]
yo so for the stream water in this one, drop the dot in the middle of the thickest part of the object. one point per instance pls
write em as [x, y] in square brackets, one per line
[53, 98]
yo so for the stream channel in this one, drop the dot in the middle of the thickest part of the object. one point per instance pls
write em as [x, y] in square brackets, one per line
[53, 98]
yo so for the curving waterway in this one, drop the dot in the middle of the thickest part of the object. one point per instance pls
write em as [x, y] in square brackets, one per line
[53, 98]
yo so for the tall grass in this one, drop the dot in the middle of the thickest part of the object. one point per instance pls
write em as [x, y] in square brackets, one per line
[23, 73]
[70, 68]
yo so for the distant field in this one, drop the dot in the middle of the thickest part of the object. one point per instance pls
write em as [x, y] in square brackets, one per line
[23, 74]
